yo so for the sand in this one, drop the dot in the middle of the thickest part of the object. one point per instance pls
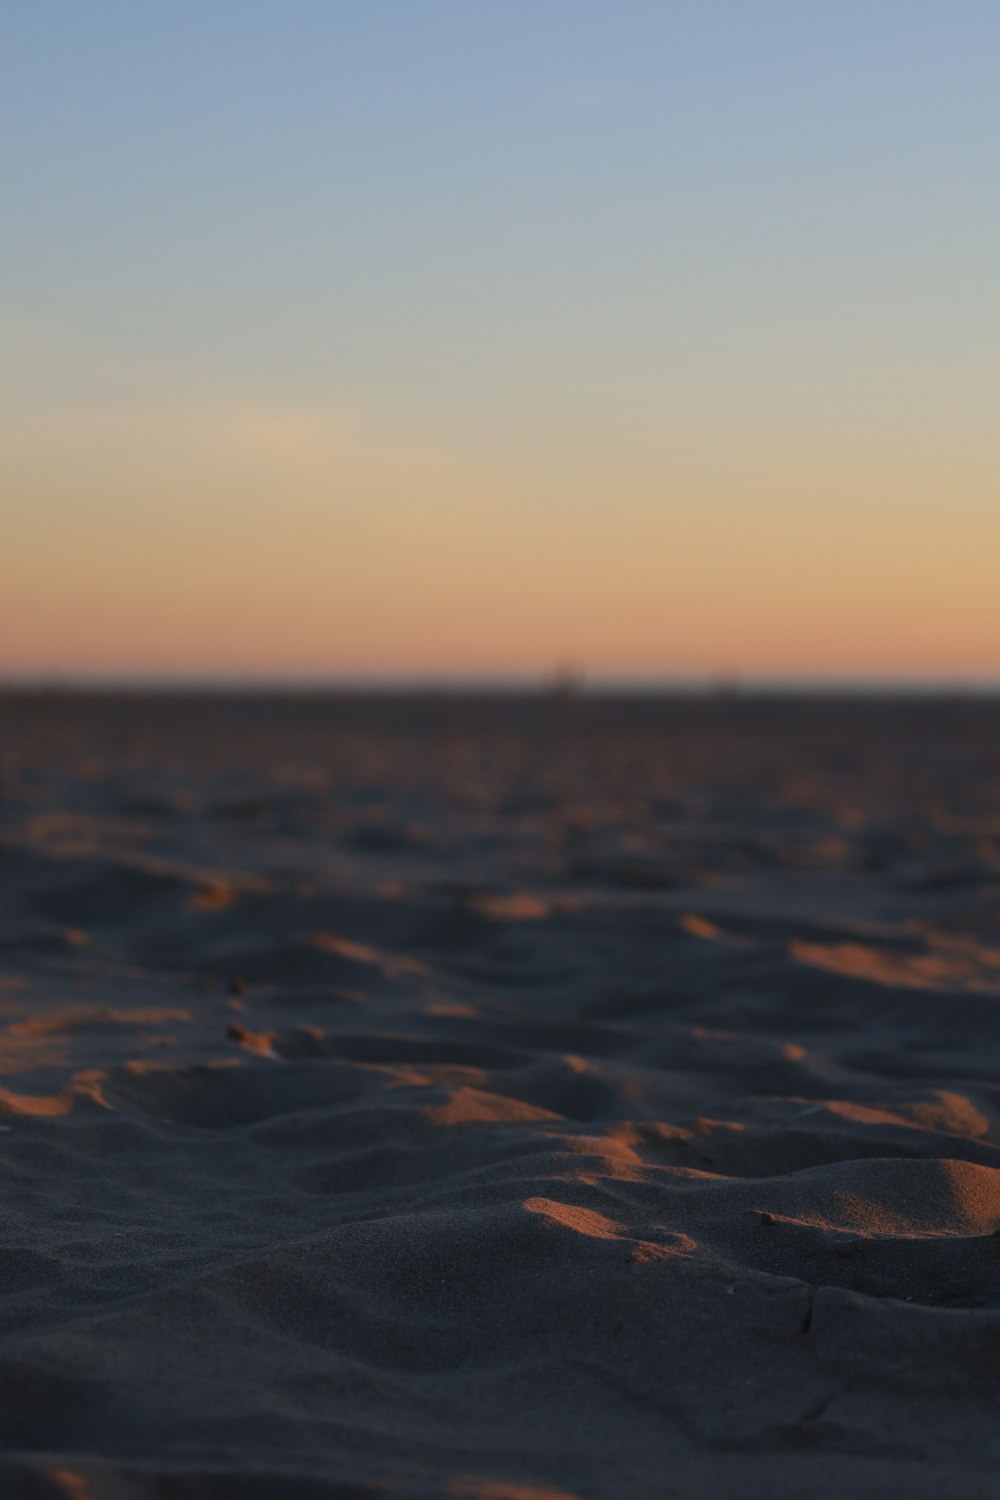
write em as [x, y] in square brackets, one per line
[504, 1100]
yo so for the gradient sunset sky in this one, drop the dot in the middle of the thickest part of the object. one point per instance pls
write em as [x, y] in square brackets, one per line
[451, 338]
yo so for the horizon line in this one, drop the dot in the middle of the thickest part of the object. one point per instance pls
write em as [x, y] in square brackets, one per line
[556, 683]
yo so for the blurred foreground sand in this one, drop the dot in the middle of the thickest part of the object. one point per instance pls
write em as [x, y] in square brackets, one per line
[499, 1098]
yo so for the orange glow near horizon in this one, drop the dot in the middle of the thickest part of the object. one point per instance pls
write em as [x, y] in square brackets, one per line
[216, 539]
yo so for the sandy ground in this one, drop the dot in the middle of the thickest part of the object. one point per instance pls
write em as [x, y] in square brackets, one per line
[499, 1100]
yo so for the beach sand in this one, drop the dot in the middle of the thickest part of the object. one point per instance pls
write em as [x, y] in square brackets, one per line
[502, 1099]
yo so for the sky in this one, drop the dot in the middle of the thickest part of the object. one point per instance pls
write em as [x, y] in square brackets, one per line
[436, 339]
